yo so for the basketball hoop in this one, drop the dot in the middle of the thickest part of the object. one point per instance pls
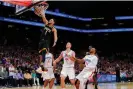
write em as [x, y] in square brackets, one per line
[32, 4]
[25, 5]
[40, 8]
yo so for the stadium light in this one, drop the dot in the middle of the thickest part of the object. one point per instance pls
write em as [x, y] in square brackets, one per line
[76, 17]
[66, 28]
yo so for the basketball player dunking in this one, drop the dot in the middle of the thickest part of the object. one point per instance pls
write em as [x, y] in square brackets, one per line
[68, 67]
[89, 69]
[46, 35]
[48, 76]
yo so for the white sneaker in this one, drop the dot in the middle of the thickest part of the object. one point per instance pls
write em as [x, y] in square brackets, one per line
[34, 84]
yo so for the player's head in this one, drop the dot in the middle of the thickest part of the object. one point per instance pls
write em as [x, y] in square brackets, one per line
[51, 21]
[68, 45]
[92, 50]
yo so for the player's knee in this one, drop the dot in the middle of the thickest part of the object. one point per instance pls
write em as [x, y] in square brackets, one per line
[62, 80]
[46, 83]
[52, 80]
[77, 82]
[62, 77]
[73, 83]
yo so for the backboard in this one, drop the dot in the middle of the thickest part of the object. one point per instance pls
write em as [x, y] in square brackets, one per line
[24, 5]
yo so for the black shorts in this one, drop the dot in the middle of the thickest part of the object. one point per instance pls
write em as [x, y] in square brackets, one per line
[44, 44]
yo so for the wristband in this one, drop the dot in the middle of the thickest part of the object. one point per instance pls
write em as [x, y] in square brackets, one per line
[55, 42]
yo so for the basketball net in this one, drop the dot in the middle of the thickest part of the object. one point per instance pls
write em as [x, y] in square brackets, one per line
[24, 5]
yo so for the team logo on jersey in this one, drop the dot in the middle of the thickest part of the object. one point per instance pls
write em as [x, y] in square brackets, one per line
[47, 30]
[66, 57]
[48, 58]
[87, 61]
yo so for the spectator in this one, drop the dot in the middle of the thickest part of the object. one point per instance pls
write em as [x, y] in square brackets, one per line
[129, 75]
[26, 59]
[5, 73]
[18, 77]
[35, 79]
[11, 74]
[123, 76]
[28, 78]
[1, 74]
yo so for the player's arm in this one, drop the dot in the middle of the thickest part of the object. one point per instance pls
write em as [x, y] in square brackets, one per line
[39, 70]
[55, 36]
[80, 60]
[58, 59]
[41, 12]
[44, 19]
[72, 58]
[53, 61]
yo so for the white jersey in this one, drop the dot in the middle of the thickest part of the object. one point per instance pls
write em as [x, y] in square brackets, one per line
[67, 61]
[48, 60]
[11, 69]
[90, 61]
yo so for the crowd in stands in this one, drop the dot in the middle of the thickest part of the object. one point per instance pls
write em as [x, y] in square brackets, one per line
[18, 65]
[122, 60]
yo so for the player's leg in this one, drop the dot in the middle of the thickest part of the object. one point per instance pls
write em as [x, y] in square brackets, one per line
[63, 81]
[77, 83]
[63, 77]
[43, 48]
[40, 51]
[46, 78]
[73, 82]
[52, 77]
[46, 83]
[95, 80]
[51, 83]
[80, 82]
[71, 75]
[86, 84]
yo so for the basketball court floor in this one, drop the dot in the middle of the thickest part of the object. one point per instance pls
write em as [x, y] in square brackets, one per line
[100, 86]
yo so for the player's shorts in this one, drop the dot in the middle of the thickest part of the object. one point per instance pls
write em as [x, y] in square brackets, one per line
[85, 74]
[68, 71]
[49, 74]
[43, 44]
